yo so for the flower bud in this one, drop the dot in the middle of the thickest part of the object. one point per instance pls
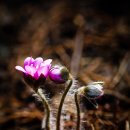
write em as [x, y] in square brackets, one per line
[92, 90]
[59, 74]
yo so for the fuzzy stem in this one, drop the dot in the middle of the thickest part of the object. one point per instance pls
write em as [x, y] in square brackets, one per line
[47, 122]
[78, 111]
[61, 104]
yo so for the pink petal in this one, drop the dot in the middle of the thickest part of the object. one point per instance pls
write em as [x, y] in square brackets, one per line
[37, 62]
[36, 75]
[30, 70]
[44, 71]
[46, 62]
[20, 69]
[28, 61]
[55, 75]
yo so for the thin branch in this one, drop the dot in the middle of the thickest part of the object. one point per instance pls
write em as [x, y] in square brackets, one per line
[127, 125]
[118, 95]
[121, 71]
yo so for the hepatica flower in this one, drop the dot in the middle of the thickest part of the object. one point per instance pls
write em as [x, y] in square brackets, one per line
[59, 74]
[35, 69]
[92, 91]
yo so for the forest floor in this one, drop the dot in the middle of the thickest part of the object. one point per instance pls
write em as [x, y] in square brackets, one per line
[91, 41]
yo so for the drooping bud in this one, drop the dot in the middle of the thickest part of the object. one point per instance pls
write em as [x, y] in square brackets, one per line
[59, 74]
[92, 90]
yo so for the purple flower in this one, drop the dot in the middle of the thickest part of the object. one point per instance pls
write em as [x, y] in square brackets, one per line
[59, 74]
[35, 67]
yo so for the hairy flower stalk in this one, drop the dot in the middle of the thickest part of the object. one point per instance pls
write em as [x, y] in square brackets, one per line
[41, 95]
[61, 104]
[60, 74]
[78, 110]
[91, 91]
[35, 72]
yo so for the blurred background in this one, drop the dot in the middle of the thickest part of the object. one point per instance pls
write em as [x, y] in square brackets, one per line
[90, 37]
